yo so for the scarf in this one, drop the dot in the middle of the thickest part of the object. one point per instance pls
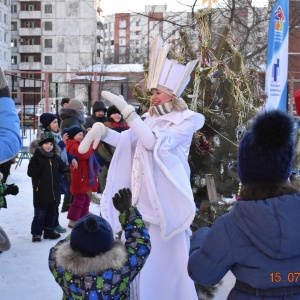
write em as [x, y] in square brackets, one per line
[94, 167]
[47, 154]
[163, 109]
[63, 152]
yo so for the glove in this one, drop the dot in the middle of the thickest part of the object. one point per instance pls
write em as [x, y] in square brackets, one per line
[67, 179]
[122, 200]
[118, 101]
[12, 189]
[93, 136]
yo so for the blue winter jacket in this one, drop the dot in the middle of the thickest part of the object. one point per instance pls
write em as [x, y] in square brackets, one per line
[259, 241]
[10, 141]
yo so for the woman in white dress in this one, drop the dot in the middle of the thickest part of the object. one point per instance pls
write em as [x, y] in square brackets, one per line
[152, 159]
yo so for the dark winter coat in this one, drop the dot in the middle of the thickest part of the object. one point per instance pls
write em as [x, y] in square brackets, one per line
[44, 172]
[258, 241]
[80, 177]
[90, 121]
[105, 276]
[69, 117]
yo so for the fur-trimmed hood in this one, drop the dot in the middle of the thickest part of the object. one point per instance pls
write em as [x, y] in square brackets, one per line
[66, 112]
[35, 144]
[74, 262]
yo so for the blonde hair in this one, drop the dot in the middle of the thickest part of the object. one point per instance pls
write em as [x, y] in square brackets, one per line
[178, 105]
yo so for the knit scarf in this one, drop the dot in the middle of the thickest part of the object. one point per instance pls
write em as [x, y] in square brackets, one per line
[163, 109]
[47, 154]
[63, 153]
[94, 167]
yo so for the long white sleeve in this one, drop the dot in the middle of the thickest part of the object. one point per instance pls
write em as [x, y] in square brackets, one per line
[111, 137]
[144, 134]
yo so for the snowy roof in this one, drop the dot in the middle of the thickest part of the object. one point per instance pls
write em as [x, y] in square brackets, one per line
[132, 68]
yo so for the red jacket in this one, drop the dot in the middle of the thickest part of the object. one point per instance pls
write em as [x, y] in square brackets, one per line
[80, 177]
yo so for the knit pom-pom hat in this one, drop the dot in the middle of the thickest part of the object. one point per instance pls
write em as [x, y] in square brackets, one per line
[72, 131]
[46, 119]
[46, 136]
[91, 236]
[266, 150]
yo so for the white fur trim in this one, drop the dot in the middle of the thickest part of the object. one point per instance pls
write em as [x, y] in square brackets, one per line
[129, 109]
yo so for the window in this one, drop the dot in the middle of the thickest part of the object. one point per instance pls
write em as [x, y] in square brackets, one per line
[5, 36]
[13, 43]
[48, 43]
[48, 25]
[29, 42]
[29, 24]
[122, 42]
[122, 50]
[29, 7]
[5, 19]
[122, 32]
[14, 26]
[48, 8]
[112, 43]
[122, 23]
[13, 8]
[14, 60]
[105, 26]
[137, 33]
[5, 56]
[48, 60]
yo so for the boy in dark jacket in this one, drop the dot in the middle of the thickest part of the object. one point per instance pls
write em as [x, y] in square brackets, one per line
[91, 264]
[44, 168]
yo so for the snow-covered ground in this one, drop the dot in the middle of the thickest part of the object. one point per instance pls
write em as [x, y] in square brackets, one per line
[24, 272]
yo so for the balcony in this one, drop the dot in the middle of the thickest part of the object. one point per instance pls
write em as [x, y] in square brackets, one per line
[32, 14]
[30, 49]
[29, 83]
[30, 32]
[30, 66]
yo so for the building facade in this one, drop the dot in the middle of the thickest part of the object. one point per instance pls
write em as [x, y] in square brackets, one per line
[128, 36]
[52, 36]
[5, 34]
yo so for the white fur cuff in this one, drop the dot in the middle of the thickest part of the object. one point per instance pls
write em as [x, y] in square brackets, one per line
[129, 109]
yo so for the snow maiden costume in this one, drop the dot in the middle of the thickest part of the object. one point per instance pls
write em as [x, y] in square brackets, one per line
[258, 240]
[151, 159]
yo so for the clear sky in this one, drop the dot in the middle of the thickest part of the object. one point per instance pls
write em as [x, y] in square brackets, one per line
[118, 6]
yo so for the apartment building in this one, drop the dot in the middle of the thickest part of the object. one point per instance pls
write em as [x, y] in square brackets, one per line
[5, 34]
[128, 36]
[52, 36]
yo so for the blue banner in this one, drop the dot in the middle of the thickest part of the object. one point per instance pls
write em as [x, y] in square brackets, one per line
[277, 57]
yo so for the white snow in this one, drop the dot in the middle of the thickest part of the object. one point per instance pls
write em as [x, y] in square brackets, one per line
[24, 272]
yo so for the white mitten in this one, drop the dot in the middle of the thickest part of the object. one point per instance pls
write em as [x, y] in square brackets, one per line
[93, 136]
[118, 101]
